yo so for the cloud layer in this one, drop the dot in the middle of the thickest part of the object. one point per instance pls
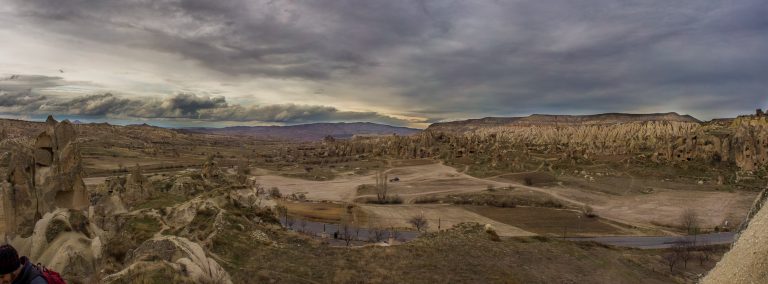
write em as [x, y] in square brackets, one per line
[177, 106]
[433, 59]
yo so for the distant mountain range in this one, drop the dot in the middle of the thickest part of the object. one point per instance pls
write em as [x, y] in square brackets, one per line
[309, 132]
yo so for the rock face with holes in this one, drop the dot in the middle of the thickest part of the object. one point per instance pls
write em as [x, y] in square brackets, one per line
[48, 178]
[670, 138]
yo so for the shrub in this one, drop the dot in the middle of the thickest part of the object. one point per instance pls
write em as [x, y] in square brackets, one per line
[419, 223]
[528, 181]
[55, 227]
[426, 199]
[275, 193]
[395, 199]
[588, 211]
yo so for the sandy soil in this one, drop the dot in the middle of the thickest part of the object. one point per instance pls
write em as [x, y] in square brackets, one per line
[414, 180]
[662, 207]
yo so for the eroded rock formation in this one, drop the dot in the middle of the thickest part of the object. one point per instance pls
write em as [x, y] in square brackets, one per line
[136, 187]
[171, 256]
[211, 169]
[508, 142]
[747, 261]
[50, 177]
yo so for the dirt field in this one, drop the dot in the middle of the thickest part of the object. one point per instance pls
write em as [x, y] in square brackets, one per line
[443, 215]
[414, 181]
[552, 222]
[662, 207]
[316, 211]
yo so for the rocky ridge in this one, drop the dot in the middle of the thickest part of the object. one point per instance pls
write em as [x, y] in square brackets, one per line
[666, 137]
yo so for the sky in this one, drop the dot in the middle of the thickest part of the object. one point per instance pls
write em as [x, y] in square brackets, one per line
[399, 62]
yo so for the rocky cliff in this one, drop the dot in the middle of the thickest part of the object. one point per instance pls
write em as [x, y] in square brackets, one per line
[668, 137]
[41, 179]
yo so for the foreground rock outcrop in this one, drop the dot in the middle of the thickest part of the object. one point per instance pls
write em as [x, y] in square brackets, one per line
[172, 258]
[747, 261]
[49, 177]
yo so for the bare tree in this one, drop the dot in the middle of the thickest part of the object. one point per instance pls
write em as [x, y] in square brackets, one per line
[690, 221]
[346, 232]
[260, 190]
[394, 234]
[282, 212]
[670, 259]
[682, 249]
[707, 250]
[702, 257]
[376, 234]
[419, 222]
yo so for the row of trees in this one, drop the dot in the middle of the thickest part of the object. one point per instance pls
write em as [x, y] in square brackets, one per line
[684, 251]
[687, 249]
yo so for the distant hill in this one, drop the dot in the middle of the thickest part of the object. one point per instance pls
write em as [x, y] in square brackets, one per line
[546, 119]
[310, 132]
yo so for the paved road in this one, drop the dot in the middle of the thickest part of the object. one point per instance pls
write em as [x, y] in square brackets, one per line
[660, 242]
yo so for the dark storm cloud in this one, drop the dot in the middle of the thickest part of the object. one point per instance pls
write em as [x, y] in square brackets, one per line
[182, 106]
[268, 38]
[18, 99]
[454, 58]
[16, 91]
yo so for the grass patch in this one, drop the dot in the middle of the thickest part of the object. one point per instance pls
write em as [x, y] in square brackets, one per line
[547, 221]
[162, 200]
[392, 199]
[427, 199]
[505, 199]
[142, 228]
[316, 211]
[318, 174]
